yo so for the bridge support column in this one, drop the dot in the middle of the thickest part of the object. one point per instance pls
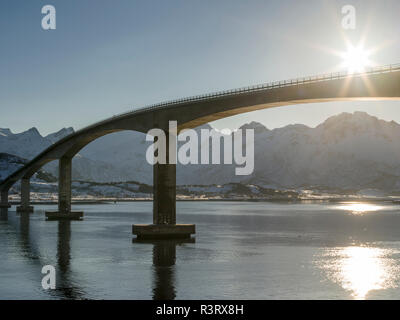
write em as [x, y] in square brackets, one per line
[164, 194]
[4, 200]
[64, 193]
[64, 185]
[25, 196]
[164, 202]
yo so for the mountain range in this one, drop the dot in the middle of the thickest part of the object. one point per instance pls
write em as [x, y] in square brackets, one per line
[349, 151]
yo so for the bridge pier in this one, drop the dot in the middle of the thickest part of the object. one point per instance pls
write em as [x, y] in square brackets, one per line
[64, 193]
[4, 200]
[25, 196]
[164, 194]
[164, 202]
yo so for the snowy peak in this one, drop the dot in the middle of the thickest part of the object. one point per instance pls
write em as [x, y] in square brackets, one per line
[292, 129]
[54, 137]
[27, 144]
[256, 126]
[358, 120]
[32, 132]
[357, 124]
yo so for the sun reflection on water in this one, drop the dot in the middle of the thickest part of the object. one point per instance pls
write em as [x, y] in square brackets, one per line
[359, 208]
[360, 270]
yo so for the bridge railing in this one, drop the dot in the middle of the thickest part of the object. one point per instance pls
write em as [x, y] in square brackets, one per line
[277, 84]
[260, 87]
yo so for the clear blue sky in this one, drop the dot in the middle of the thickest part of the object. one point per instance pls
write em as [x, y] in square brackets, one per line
[107, 57]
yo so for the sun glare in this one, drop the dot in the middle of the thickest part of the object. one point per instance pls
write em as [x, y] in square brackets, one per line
[361, 270]
[356, 59]
[358, 208]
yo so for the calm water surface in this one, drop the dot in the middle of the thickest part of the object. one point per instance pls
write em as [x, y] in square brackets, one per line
[242, 250]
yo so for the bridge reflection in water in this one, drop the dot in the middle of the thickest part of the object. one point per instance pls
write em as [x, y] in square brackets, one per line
[67, 282]
[164, 257]
[3, 214]
[66, 286]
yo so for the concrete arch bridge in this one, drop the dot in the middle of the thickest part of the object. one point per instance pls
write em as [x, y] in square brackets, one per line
[382, 83]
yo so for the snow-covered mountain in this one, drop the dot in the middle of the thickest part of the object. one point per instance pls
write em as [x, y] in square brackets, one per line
[54, 137]
[348, 151]
[127, 152]
[30, 143]
[26, 144]
[10, 163]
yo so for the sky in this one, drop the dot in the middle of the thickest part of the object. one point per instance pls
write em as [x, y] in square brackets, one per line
[109, 57]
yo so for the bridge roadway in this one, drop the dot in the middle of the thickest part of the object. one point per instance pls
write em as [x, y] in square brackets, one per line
[381, 83]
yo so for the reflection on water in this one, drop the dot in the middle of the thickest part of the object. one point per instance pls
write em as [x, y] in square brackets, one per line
[66, 287]
[3, 214]
[359, 208]
[164, 255]
[63, 246]
[26, 243]
[360, 269]
[164, 258]
[24, 228]
[242, 251]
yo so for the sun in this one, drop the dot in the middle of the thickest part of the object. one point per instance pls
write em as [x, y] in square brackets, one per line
[356, 59]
